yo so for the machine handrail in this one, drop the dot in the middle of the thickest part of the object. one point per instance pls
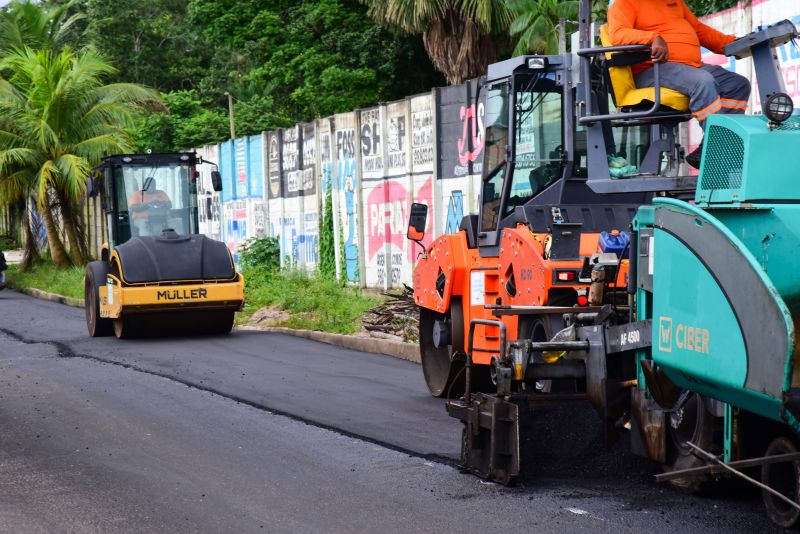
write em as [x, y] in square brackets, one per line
[472, 324]
[596, 51]
[589, 118]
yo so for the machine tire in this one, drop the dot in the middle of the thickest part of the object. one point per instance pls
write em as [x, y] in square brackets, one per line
[784, 478]
[126, 327]
[221, 322]
[226, 323]
[174, 324]
[442, 367]
[696, 424]
[96, 271]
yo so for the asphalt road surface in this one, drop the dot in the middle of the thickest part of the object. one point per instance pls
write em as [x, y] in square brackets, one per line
[258, 432]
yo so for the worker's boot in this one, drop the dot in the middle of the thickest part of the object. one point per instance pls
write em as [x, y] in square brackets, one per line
[693, 158]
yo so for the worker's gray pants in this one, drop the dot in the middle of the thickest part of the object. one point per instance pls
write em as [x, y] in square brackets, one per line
[710, 88]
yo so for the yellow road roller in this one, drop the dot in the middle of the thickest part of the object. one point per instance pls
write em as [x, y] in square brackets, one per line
[156, 274]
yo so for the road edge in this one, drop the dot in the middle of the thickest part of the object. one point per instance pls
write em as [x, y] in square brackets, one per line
[44, 295]
[397, 349]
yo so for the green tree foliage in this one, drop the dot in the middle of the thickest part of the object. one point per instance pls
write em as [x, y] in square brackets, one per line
[305, 59]
[41, 28]
[261, 254]
[58, 119]
[536, 24]
[327, 246]
[706, 7]
[459, 35]
[188, 123]
[148, 40]
[27, 24]
[284, 61]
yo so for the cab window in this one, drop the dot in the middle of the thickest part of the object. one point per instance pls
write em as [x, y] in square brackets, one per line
[538, 137]
[496, 155]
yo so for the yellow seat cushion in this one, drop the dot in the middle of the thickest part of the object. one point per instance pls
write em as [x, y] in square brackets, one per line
[627, 94]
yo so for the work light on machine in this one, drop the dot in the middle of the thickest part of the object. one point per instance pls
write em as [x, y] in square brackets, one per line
[778, 107]
[537, 63]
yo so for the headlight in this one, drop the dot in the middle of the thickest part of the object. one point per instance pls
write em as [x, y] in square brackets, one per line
[778, 107]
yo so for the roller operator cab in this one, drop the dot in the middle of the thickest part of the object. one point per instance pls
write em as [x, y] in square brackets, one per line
[543, 221]
[156, 274]
[597, 270]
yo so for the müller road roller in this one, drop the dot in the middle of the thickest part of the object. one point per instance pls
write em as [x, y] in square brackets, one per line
[156, 274]
[595, 272]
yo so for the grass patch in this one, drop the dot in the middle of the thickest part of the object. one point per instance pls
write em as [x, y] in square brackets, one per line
[47, 277]
[315, 303]
[6, 243]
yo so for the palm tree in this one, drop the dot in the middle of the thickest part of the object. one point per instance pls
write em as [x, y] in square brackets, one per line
[25, 23]
[536, 24]
[459, 35]
[57, 119]
[14, 197]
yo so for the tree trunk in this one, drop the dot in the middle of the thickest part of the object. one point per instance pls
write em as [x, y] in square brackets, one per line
[58, 253]
[76, 245]
[31, 255]
[457, 48]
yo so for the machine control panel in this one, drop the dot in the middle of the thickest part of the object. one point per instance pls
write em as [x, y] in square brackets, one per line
[774, 35]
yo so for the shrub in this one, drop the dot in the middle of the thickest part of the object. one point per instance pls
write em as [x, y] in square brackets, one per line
[263, 253]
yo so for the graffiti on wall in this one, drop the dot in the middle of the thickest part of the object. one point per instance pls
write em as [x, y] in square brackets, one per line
[396, 143]
[292, 175]
[326, 163]
[455, 212]
[371, 147]
[308, 236]
[347, 187]
[460, 126]
[388, 249]
[257, 211]
[275, 185]
[421, 136]
[241, 168]
[386, 225]
[308, 183]
[470, 144]
[235, 217]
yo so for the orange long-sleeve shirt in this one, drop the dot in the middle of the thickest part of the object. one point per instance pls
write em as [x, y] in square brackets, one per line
[641, 21]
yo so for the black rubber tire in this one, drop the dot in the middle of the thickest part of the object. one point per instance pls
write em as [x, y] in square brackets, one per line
[175, 324]
[701, 428]
[225, 322]
[126, 327]
[443, 368]
[784, 477]
[96, 273]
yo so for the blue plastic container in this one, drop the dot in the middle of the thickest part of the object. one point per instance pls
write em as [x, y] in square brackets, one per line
[615, 243]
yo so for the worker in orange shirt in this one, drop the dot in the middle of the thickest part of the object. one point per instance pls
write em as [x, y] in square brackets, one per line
[675, 37]
[148, 203]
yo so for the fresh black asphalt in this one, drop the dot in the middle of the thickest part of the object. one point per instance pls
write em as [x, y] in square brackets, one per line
[258, 432]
